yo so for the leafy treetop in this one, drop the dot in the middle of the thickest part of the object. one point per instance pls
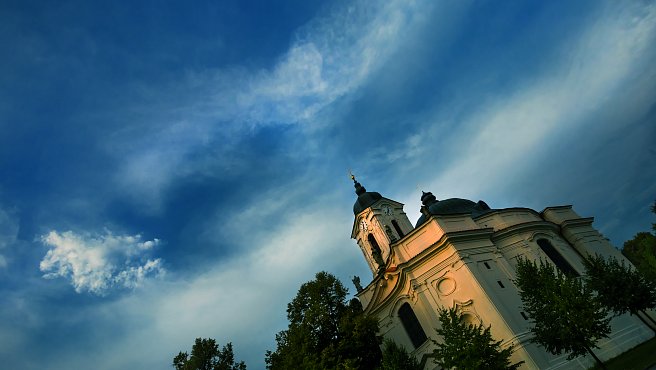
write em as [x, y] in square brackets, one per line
[205, 355]
[618, 286]
[566, 315]
[469, 346]
[325, 332]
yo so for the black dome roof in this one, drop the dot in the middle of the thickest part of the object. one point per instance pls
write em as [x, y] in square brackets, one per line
[365, 198]
[451, 206]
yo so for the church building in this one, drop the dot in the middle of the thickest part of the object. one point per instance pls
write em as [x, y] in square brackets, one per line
[463, 254]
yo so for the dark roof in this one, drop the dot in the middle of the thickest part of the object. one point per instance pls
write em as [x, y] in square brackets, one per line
[433, 207]
[365, 198]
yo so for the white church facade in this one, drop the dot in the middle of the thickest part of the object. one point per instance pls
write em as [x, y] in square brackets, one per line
[463, 254]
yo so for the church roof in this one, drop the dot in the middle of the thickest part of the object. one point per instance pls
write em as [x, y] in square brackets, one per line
[433, 207]
[365, 198]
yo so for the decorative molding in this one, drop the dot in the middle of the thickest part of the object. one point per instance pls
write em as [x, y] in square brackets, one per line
[530, 226]
[460, 304]
[467, 308]
[445, 286]
[541, 235]
[394, 307]
[413, 290]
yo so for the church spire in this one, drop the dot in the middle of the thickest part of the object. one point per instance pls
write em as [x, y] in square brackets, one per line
[359, 189]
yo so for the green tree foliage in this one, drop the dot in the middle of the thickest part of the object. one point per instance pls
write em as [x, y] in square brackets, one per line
[468, 346]
[205, 355]
[325, 332]
[396, 357]
[565, 313]
[641, 251]
[618, 286]
[653, 210]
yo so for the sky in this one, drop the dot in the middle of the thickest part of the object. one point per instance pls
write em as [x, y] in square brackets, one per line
[173, 170]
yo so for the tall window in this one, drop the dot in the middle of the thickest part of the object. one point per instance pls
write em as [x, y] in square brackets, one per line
[374, 244]
[397, 228]
[554, 256]
[375, 251]
[411, 325]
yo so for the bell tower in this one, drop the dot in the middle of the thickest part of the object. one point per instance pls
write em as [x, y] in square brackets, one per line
[379, 223]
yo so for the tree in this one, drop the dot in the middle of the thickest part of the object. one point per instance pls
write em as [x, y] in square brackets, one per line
[324, 331]
[618, 286]
[641, 251]
[205, 355]
[653, 210]
[469, 346]
[359, 343]
[566, 315]
[396, 357]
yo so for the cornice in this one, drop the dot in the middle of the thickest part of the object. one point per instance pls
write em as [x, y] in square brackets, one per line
[448, 237]
[526, 226]
[583, 221]
[567, 206]
[512, 209]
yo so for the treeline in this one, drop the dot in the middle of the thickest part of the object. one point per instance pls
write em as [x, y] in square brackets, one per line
[568, 314]
[327, 331]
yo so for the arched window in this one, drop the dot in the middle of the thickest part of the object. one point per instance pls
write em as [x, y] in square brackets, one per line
[375, 250]
[411, 325]
[373, 242]
[397, 228]
[557, 259]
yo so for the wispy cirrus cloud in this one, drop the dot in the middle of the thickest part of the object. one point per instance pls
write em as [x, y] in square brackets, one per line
[98, 263]
[509, 131]
[330, 57]
[469, 139]
[278, 256]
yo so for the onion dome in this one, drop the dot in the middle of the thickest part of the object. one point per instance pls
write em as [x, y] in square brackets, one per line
[365, 198]
[433, 207]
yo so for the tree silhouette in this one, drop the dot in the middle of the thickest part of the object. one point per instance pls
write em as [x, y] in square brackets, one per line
[641, 251]
[325, 332]
[396, 357]
[205, 355]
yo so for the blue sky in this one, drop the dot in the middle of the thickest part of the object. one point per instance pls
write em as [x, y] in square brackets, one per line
[172, 170]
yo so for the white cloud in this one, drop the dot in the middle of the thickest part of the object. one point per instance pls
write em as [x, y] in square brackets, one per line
[331, 57]
[502, 136]
[97, 263]
[284, 242]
